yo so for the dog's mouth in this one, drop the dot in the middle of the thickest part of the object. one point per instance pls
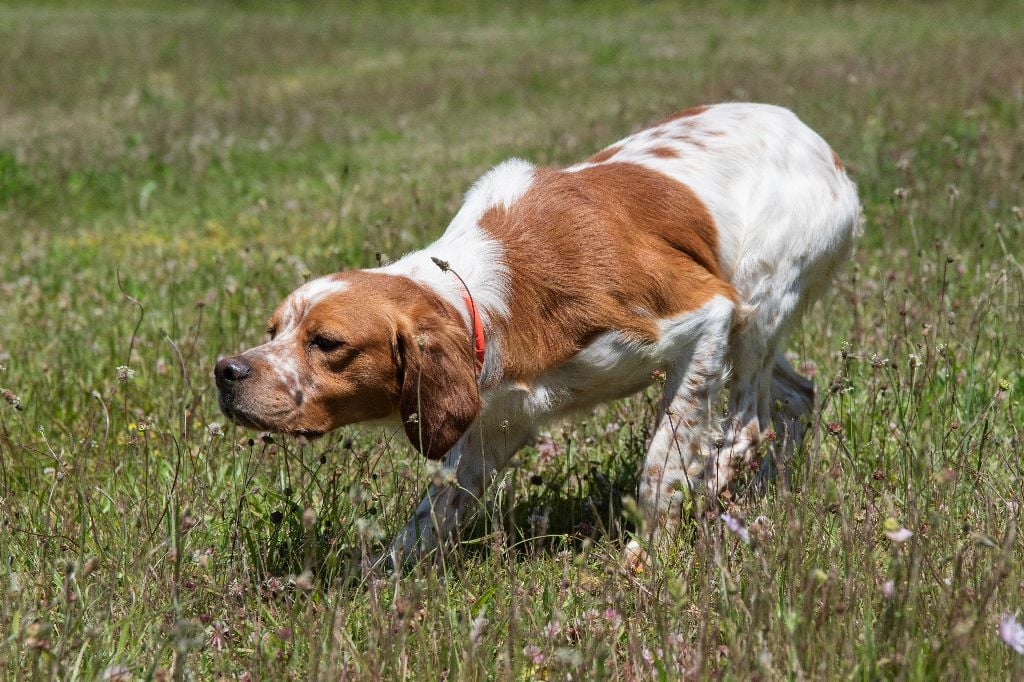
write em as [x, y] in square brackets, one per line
[252, 421]
[245, 418]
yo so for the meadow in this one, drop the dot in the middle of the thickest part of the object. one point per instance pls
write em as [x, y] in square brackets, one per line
[168, 172]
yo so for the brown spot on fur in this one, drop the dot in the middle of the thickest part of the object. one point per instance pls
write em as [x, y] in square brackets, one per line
[836, 160]
[403, 348]
[605, 154]
[587, 250]
[664, 152]
[685, 137]
[683, 113]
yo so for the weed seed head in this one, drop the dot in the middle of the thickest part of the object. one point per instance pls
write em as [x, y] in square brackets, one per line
[11, 399]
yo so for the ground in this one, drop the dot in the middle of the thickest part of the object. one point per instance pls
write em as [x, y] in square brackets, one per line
[169, 172]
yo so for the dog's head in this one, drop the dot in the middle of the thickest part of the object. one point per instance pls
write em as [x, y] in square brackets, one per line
[354, 347]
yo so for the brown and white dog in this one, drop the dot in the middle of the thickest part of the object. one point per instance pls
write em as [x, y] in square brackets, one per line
[691, 247]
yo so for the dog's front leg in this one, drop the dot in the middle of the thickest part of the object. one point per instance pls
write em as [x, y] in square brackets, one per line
[457, 490]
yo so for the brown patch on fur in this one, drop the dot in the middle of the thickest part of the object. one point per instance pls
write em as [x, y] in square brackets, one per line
[614, 247]
[605, 154]
[685, 137]
[683, 113]
[836, 160]
[664, 152]
[403, 348]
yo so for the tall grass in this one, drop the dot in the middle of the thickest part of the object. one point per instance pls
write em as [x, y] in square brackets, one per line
[168, 173]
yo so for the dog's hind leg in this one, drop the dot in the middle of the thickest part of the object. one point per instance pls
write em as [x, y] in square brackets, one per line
[792, 401]
[754, 348]
[676, 459]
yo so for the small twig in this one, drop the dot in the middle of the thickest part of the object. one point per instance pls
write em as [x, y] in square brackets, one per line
[474, 312]
[142, 314]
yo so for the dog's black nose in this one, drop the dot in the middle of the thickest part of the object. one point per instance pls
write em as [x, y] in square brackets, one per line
[231, 369]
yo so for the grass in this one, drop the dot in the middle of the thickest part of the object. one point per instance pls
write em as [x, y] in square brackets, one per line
[169, 172]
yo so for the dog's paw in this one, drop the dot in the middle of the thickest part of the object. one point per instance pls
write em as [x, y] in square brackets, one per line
[635, 558]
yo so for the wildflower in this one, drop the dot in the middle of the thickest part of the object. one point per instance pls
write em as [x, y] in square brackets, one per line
[553, 629]
[220, 633]
[915, 360]
[534, 653]
[888, 589]
[305, 581]
[736, 526]
[901, 193]
[38, 635]
[895, 532]
[235, 589]
[659, 376]
[878, 361]
[12, 399]
[1012, 632]
[476, 630]
[125, 373]
[1004, 387]
[761, 527]
[547, 449]
[611, 615]
[271, 587]
[835, 428]
[214, 429]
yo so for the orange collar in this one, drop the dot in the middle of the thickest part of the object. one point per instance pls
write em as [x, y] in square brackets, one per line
[479, 341]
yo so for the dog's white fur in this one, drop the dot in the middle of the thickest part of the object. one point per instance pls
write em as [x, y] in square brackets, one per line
[786, 215]
[738, 216]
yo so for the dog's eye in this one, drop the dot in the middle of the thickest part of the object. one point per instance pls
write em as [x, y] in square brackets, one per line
[326, 344]
[271, 332]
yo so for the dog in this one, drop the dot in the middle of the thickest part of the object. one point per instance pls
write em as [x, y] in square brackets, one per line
[683, 254]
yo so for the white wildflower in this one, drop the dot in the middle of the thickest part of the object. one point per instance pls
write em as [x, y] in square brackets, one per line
[1012, 632]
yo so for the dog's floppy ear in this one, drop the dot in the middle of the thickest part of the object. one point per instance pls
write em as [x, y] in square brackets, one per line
[439, 397]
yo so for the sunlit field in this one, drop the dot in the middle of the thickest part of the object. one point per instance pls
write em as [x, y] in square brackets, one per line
[169, 172]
